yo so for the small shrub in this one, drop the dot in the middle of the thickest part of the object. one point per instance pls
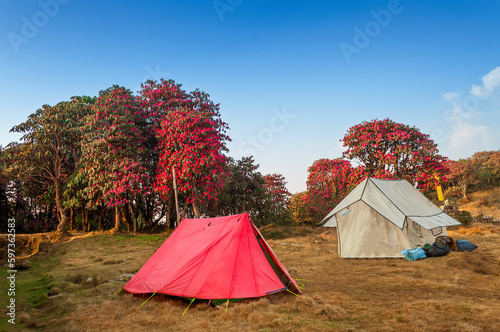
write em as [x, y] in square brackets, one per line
[464, 217]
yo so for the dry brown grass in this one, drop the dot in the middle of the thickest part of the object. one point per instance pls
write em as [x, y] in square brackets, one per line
[483, 203]
[458, 292]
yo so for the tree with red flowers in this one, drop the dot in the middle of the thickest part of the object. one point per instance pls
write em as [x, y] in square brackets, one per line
[113, 149]
[193, 142]
[159, 100]
[487, 164]
[328, 182]
[462, 173]
[300, 208]
[277, 193]
[387, 149]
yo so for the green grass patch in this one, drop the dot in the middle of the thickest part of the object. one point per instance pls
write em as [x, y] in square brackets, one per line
[32, 288]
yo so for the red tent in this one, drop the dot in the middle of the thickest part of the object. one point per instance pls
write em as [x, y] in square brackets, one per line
[214, 258]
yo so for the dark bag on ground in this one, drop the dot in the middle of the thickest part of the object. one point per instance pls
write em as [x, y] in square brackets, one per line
[437, 251]
[444, 240]
[464, 245]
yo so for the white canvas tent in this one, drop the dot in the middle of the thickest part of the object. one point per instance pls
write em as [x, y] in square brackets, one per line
[379, 218]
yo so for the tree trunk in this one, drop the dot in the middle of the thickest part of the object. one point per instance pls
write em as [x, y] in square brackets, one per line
[60, 210]
[58, 215]
[132, 217]
[196, 211]
[195, 208]
[125, 217]
[84, 221]
[107, 218]
[87, 223]
[183, 211]
[464, 191]
[100, 219]
[171, 213]
[117, 219]
[72, 225]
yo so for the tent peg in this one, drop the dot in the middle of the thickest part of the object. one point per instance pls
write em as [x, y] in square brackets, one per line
[188, 306]
[147, 299]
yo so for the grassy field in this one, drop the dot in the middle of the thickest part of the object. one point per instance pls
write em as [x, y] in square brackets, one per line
[485, 202]
[70, 283]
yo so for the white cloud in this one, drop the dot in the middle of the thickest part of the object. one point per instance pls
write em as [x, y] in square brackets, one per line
[491, 81]
[466, 129]
[467, 139]
[460, 110]
[451, 96]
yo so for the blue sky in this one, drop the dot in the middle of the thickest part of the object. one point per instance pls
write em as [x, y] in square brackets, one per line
[291, 76]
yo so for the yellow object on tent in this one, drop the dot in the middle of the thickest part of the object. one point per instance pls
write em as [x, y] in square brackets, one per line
[440, 193]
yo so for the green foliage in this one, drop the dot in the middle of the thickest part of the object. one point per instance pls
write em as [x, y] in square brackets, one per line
[49, 151]
[487, 167]
[300, 208]
[245, 189]
[464, 217]
[481, 171]
[277, 199]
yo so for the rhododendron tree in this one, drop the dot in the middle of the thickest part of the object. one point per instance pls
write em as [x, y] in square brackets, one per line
[328, 182]
[114, 154]
[192, 141]
[387, 149]
[462, 174]
[299, 207]
[158, 99]
[487, 164]
[113, 149]
[278, 194]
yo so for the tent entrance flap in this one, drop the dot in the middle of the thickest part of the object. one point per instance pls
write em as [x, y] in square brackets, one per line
[284, 279]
